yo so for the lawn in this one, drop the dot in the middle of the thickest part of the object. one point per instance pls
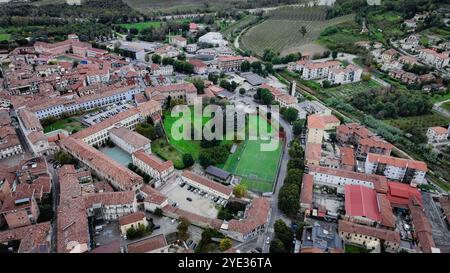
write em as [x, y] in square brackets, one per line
[439, 98]
[446, 105]
[257, 168]
[141, 25]
[68, 124]
[355, 249]
[5, 37]
[184, 146]
[168, 152]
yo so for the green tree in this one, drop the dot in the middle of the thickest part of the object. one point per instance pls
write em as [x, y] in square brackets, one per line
[245, 66]
[288, 199]
[199, 85]
[290, 115]
[297, 127]
[146, 130]
[182, 228]
[156, 58]
[334, 54]
[276, 246]
[240, 191]
[242, 91]
[225, 244]
[158, 212]
[188, 161]
[284, 233]
[303, 31]
[294, 176]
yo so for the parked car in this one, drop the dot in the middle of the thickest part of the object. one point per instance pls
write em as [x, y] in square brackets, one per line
[155, 227]
[189, 199]
[268, 240]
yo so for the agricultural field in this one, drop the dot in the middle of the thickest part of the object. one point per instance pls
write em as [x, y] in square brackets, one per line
[284, 36]
[257, 168]
[176, 6]
[5, 36]
[421, 122]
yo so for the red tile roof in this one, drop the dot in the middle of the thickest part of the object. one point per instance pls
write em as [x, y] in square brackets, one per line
[401, 194]
[208, 182]
[153, 196]
[361, 201]
[439, 130]
[313, 151]
[256, 216]
[397, 162]
[153, 161]
[131, 218]
[422, 228]
[379, 182]
[383, 234]
[306, 192]
[147, 245]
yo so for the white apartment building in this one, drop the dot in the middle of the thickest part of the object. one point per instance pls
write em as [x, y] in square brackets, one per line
[71, 104]
[206, 185]
[394, 168]
[99, 133]
[214, 38]
[128, 140]
[153, 166]
[431, 57]
[178, 41]
[316, 70]
[34, 133]
[349, 74]
[437, 134]
[162, 70]
[338, 178]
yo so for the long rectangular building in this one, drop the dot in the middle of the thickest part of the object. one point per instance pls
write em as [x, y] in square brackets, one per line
[206, 184]
[339, 178]
[117, 175]
[152, 165]
[395, 168]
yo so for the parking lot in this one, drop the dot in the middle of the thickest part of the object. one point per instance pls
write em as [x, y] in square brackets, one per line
[191, 200]
[107, 112]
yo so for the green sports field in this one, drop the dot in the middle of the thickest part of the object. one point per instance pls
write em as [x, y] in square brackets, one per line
[258, 169]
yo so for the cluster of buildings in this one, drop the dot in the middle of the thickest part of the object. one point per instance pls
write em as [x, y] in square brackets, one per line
[372, 196]
[330, 70]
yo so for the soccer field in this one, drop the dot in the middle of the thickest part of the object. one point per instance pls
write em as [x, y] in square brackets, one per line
[257, 168]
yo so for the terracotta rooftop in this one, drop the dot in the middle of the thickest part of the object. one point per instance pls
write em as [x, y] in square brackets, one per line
[397, 162]
[313, 151]
[152, 195]
[134, 139]
[131, 218]
[382, 234]
[153, 161]
[34, 238]
[256, 216]
[379, 182]
[109, 198]
[439, 130]
[147, 245]
[207, 182]
[107, 166]
[306, 192]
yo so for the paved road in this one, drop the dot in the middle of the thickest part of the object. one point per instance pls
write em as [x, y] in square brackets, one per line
[276, 213]
[438, 107]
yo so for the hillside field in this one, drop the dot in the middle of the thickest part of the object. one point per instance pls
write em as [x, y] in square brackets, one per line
[284, 35]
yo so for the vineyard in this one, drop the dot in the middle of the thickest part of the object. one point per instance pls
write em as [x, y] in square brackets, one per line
[285, 36]
[299, 13]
